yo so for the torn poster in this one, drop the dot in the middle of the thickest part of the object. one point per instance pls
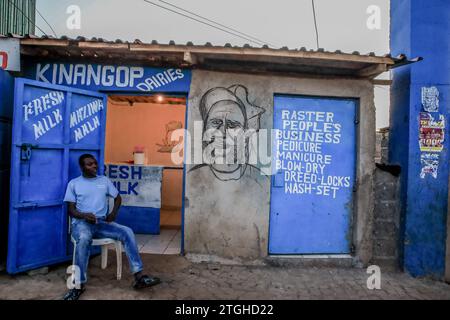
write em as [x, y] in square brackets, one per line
[431, 132]
[430, 99]
[430, 164]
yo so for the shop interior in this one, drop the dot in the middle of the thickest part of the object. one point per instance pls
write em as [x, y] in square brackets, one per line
[145, 123]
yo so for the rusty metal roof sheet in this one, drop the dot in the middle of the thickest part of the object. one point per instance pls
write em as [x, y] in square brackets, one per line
[244, 58]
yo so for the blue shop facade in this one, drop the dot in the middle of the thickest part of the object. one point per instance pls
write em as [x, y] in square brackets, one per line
[62, 118]
[62, 103]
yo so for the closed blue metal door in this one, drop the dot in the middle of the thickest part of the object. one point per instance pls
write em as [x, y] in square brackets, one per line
[52, 126]
[314, 171]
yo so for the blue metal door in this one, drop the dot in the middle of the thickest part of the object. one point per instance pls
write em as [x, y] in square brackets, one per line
[52, 126]
[312, 186]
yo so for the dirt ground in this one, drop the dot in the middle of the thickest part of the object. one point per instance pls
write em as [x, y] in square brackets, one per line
[182, 279]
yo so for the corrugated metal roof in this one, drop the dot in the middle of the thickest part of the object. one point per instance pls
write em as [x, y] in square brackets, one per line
[172, 43]
[17, 16]
[244, 58]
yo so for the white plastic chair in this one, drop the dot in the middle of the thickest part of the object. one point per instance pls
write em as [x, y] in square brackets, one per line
[104, 243]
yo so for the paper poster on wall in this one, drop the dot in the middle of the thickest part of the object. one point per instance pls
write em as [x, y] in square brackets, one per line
[430, 164]
[431, 132]
[430, 99]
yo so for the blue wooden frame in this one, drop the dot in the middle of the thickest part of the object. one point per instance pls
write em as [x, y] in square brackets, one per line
[14, 254]
[134, 91]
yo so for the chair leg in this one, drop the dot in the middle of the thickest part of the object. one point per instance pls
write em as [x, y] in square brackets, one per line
[73, 276]
[119, 259]
[104, 256]
[73, 253]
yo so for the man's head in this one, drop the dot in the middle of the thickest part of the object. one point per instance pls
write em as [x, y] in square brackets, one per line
[223, 112]
[88, 165]
[227, 116]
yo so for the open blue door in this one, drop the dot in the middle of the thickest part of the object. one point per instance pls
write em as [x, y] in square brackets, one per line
[314, 154]
[52, 126]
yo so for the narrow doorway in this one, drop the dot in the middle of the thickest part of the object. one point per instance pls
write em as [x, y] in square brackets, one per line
[312, 190]
[138, 141]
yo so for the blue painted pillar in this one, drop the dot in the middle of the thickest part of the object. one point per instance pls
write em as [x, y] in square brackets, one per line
[421, 28]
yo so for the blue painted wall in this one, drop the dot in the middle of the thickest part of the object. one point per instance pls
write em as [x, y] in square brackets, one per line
[420, 28]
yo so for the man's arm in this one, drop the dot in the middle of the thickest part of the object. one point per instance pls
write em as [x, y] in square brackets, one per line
[117, 203]
[74, 213]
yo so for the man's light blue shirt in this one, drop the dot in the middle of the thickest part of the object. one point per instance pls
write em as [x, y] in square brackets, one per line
[90, 195]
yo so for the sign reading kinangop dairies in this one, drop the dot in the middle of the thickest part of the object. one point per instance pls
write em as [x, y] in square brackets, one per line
[111, 77]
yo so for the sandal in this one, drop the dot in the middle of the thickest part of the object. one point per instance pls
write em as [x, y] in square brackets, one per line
[73, 294]
[145, 282]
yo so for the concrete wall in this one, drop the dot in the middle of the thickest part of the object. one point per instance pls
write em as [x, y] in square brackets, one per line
[386, 230]
[386, 220]
[382, 146]
[230, 219]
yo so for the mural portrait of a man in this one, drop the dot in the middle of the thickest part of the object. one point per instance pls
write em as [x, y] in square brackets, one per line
[229, 121]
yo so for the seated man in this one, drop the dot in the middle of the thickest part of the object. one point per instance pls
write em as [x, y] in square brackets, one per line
[86, 197]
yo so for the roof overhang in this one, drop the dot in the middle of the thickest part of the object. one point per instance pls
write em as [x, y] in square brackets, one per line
[222, 58]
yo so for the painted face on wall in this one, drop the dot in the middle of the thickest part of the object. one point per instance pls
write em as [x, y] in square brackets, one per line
[229, 119]
[225, 115]
[224, 127]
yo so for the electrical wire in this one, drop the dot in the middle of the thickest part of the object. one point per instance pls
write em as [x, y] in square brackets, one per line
[27, 17]
[45, 20]
[315, 24]
[202, 22]
[217, 23]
